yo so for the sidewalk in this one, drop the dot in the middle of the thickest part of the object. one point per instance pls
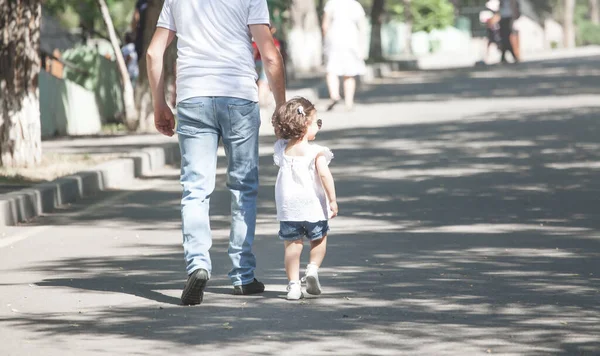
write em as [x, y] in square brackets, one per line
[440, 61]
[138, 156]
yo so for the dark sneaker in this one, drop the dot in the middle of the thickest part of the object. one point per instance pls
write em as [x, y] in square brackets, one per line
[193, 292]
[253, 287]
[332, 104]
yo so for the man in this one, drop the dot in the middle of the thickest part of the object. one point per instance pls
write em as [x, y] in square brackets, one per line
[509, 12]
[216, 99]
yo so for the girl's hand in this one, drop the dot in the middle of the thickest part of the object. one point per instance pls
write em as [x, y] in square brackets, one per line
[334, 209]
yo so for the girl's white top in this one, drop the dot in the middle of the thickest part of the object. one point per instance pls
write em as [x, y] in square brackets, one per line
[299, 193]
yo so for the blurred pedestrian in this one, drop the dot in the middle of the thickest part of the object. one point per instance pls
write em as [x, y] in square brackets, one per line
[343, 30]
[491, 21]
[138, 25]
[131, 58]
[509, 12]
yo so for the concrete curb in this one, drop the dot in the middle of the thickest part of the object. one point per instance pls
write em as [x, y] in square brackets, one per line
[25, 204]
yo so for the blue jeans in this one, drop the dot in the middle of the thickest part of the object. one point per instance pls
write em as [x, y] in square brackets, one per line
[296, 230]
[201, 122]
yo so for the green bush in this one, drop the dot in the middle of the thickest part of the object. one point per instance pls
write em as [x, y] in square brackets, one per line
[588, 34]
[84, 68]
[427, 15]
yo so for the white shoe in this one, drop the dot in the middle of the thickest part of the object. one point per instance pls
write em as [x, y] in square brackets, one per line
[294, 290]
[312, 279]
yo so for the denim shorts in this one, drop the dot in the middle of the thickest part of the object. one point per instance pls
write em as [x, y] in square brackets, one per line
[295, 230]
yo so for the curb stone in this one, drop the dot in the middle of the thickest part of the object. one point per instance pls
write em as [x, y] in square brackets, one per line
[23, 205]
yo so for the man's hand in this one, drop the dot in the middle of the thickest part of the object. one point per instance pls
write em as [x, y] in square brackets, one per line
[164, 120]
[334, 209]
[163, 116]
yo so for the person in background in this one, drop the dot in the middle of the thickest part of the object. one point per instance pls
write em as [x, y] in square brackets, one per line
[131, 58]
[343, 30]
[509, 12]
[491, 21]
[138, 25]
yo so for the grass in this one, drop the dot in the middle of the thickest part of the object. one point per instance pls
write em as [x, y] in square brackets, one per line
[114, 128]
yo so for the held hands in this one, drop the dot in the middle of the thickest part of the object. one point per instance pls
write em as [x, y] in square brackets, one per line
[334, 209]
[164, 120]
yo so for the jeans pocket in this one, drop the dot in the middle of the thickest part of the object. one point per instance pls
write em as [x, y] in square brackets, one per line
[244, 118]
[190, 118]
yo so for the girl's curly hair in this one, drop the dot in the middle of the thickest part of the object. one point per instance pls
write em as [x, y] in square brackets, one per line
[288, 120]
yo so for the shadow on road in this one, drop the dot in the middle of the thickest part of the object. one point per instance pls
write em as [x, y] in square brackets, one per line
[465, 236]
[533, 79]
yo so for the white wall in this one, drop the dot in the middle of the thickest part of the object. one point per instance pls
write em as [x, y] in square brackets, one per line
[554, 33]
[531, 35]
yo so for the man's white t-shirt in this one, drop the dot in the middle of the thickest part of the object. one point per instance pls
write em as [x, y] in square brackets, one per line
[214, 46]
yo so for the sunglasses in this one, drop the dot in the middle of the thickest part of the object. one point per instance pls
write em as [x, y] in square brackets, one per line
[319, 123]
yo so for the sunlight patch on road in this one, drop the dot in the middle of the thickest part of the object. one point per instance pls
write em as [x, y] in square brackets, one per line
[498, 229]
[28, 232]
[571, 165]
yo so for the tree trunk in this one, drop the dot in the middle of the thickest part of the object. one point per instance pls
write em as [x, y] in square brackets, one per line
[304, 38]
[375, 50]
[320, 6]
[143, 96]
[408, 22]
[128, 98]
[20, 128]
[569, 26]
[594, 12]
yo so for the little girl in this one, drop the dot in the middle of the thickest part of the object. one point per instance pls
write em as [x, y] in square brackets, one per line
[304, 192]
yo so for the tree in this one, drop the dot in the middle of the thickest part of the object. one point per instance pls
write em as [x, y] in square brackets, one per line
[128, 98]
[545, 8]
[20, 127]
[422, 15]
[375, 50]
[408, 21]
[569, 23]
[594, 12]
[86, 14]
[428, 15]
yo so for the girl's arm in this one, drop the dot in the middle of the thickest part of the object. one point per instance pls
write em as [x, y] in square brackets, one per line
[328, 184]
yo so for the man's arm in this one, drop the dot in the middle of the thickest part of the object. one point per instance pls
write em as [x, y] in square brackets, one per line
[163, 116]
[271, 60]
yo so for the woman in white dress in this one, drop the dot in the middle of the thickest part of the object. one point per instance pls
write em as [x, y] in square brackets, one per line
[343, 30]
